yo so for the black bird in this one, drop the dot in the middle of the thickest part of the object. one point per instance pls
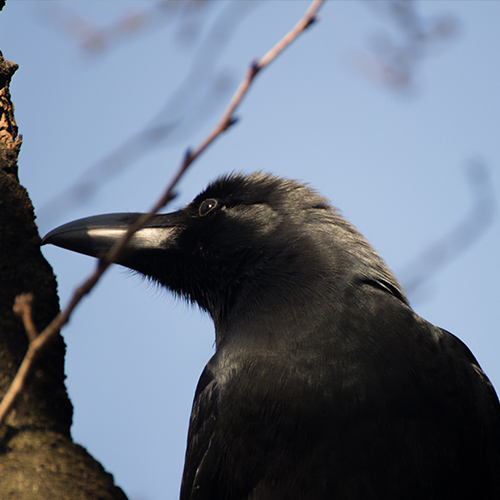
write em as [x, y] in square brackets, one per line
[325, 384]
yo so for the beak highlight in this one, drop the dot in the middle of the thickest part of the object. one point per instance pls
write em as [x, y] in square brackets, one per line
[95, 235]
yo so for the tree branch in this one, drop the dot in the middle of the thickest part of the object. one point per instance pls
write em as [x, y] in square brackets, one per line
[38, 343]
[23, 308]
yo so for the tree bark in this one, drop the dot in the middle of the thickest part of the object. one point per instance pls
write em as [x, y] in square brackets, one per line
[38, 459]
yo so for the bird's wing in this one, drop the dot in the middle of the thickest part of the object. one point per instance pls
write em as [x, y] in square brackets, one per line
[200, 465]
[477, 387]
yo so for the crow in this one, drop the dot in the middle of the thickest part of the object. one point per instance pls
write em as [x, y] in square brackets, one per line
[325, 384]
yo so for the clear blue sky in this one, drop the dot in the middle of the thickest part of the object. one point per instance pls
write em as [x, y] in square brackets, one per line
[393, 161]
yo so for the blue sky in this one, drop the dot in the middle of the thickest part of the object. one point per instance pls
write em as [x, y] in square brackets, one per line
[394, 161]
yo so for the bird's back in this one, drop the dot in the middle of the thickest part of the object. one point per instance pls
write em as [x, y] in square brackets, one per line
[379, 405]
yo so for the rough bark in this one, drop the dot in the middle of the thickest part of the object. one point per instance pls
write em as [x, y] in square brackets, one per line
[38, 459]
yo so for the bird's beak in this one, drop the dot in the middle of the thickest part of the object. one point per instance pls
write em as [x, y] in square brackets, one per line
[96, 235]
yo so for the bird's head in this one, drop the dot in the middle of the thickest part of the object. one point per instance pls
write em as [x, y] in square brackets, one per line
[246, 243]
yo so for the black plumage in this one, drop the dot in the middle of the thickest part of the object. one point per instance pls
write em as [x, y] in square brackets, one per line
[325, 384]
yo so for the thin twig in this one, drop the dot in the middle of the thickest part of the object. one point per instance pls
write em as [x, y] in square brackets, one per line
[35, 348]
[37, 344]
[23, 308]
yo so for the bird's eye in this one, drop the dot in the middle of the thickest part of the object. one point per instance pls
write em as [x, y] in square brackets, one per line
[207, 206]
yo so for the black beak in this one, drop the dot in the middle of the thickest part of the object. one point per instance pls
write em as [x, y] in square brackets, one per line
[96, 235]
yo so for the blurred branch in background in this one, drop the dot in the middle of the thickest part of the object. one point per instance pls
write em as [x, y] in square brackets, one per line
[188, 16]
[443, 251]
[185, 111]
[394, 59]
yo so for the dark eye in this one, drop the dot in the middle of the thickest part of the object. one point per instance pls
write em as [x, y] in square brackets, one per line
[207, 206]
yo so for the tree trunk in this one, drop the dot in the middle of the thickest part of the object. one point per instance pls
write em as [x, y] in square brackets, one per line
[38, 459]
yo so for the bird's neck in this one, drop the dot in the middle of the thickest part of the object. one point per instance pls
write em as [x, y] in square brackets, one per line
[277, 318]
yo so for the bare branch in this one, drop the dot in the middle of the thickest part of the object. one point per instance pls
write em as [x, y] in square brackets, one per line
[39, 342]
[23, 308]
